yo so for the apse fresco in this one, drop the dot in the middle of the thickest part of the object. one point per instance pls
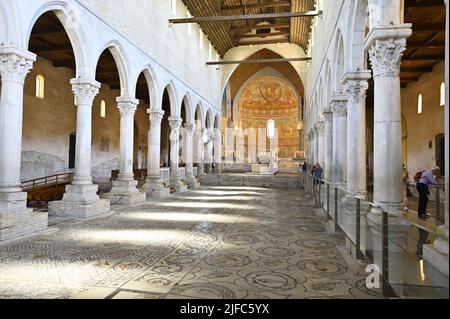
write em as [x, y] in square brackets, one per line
[268, 98]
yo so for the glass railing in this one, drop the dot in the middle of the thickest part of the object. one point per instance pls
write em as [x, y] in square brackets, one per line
[393, 245]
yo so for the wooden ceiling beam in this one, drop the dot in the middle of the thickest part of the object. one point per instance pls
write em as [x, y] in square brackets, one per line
[428, 27]
[420, 45]
[278, 60]
[417, 69]
[439, 57]
[264, 16]
[424, 4]
[259, 27]
[262, 42]
[262, 35]
[271, 4]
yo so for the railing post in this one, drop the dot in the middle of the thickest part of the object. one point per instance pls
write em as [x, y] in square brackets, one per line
[438, 205]
[358, 229]
[385, 254]
[320, 190]
[328, 202]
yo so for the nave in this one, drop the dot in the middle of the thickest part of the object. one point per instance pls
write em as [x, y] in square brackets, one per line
[214, 242]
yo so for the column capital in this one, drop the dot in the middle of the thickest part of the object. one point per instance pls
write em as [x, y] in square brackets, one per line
[155, 116]
[190, 127]
[339, 105]
[327, 115]
[175, 122]
[85, 90]
[386, 46]
[356, 85]
[127, 105]
[321, 128]
[15, 64]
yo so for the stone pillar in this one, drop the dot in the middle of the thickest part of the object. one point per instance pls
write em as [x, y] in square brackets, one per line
[316, 143]
[386, 47]
[321, 133]
[356, 86]
[175, 181]
[328, 171]
[217, 150]
[189, 154]
[16, 220]
[339, 108]
[209, 150]
[200, 151]
[154, 186]
[81, 199]
[124, 191]
[437, 254]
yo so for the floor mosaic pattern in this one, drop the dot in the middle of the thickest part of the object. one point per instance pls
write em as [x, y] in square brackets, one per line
[215, 242]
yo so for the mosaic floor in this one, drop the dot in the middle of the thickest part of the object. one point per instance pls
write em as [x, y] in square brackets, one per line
[215, 242]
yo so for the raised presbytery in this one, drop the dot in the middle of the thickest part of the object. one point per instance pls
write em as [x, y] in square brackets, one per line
[224, 149]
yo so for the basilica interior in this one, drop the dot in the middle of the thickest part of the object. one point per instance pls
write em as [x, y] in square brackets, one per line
[224, 149]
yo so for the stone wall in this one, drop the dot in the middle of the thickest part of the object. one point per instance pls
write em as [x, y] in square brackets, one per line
[145, 24]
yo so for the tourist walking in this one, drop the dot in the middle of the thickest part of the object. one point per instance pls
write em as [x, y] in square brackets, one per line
[424, 179]
[317, 173]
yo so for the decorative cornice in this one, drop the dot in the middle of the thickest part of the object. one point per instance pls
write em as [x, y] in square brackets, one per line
[15, 64]
[189, 127]
[85, 90]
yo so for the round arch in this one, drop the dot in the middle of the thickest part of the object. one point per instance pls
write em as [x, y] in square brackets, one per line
[66, 15]
[187, 102]
[169, 88]
[151, 84]
[357, 24]
[339, 63]
[120, 59]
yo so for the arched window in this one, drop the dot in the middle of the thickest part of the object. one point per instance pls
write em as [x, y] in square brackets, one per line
[442, 94]
[173, 7]
[210, 51]
[103, 109]
[420, 104]
[200, 36]
[40, 83]
[270, 129]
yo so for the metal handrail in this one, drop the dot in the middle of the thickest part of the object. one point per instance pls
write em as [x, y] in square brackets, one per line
[46, 181]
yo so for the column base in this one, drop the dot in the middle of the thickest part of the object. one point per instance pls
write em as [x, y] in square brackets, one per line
[79, 201]
[155, 189]
[16, 220]
[437, 255]
[125, 193]
[192, 182]
[180, 187]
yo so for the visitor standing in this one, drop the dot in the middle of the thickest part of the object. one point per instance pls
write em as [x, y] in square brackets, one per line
[424, 179]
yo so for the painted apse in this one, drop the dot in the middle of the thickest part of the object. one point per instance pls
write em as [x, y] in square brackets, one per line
[271, 98]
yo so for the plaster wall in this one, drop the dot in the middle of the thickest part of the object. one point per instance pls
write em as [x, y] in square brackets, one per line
[422, 128]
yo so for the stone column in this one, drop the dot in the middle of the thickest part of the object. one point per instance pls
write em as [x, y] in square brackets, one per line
[217, 150]
[386, 47]
[321, 139]
[175, 181]
[200, 151]
[16, 220]
[124, 191]
[339, 108]
[154, 186]
[316, 143]
[189, 152]
[356, 87]
[209, 150]
[437, 254]
[328, 116]
[81, 199]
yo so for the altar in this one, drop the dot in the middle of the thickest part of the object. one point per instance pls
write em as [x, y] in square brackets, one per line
[261, 169]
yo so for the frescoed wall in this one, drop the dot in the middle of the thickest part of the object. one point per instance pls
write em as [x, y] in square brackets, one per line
[267, 98]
